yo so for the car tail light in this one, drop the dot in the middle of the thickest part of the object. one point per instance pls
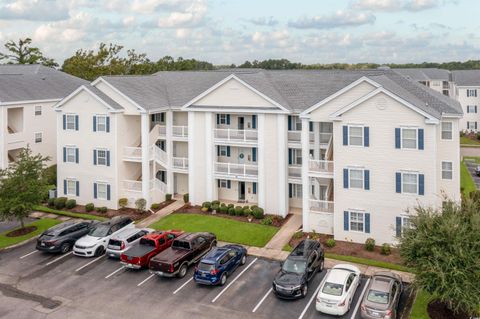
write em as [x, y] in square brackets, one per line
[341, 304]
[171, 267]
[213, 272]
[388, 314]
[363, 307]
[122, 247]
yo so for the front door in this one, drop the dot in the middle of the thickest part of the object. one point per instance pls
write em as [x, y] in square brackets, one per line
[241, 191]
[241, 122]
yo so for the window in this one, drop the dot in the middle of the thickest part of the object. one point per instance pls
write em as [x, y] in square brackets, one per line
[471, 109]
[70, 122]
[295, 191]
[101, 157]
[472, 125]
[158, 117]
[223, 119]
[410, 183]
[409, 138]
[447, 129]
[71, 154]
[102, 191]
[447, 170]
[71, 187]
[38, 137]
[101, 123]
[471, 92]
[355, 136]
[223, 183]
[356, 178]
[357, 221]
[295, 156]
[38, 110]
[223, 150]
[402, 223]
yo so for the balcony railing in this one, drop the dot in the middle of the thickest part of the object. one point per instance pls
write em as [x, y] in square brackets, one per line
[319, 166]
[325, 137]
[295, 171]
[132, 153]
[233, 135]
[162, 130]
[160, 155]
[158, 184]
[132, 186]
[180, 131]
[180, 163]
[236, 170]
[322, 206]
[296, 137]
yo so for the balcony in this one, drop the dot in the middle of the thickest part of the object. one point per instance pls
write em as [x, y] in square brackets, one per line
[236, 136]
[295, 137]
[236, 171]
[162, 130]
[321, 206]
[160, 155]
[295, 172]
[180, 131]
[321, 168]
[132, 186]
[132, 154]
[180, 163]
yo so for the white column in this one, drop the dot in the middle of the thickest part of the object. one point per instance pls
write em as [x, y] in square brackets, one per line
[145, 128]
[282, 132]
[316, 142]
[209, 151]
[305, 178]
[191, 156]
[4, 130]
[169, 142]
[261, 185]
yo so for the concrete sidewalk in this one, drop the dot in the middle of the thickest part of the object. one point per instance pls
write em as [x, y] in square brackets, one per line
[283, 236]
[161, 213]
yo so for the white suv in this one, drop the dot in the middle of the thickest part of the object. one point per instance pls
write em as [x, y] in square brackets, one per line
[337, 290]
[96, 241]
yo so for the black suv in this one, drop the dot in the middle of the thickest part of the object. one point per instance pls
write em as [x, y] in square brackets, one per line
[60, 238]
[298, 269]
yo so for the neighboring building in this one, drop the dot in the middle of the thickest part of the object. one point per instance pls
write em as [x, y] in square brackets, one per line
[27, 96]
[467, 92]
[350, 150]
[439, 80]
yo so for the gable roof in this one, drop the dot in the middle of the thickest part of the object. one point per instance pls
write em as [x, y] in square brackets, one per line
[35, 83]
[425, 74]
[97, 94]
[466, 77]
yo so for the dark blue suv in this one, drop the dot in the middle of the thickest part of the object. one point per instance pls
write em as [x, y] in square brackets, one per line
[219, 263]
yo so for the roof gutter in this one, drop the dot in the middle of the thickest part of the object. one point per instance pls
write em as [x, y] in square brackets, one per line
[30, 102]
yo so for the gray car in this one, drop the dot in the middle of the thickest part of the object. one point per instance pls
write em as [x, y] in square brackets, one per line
[382, 296]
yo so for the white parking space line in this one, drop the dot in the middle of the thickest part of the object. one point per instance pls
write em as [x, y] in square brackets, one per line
[144, 281]
[262, 300]
[33, 252]
[312, 298]
[186, 283]
[57, 259]
[360, 300]
[113, 273]
[89, 263]
[231, 283]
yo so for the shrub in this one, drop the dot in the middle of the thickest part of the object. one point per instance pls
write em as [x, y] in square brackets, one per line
[239, 211]
[257, 212]
[141, 204]
[298, 235]
[71, 203]
[230, 206]
[123, 202]
[51, 202]
[186, 198]
[247, 211]
[215, 207]
[386, 250]
[89, 207]
[50, 174]
[60, 202]
[207, 205]
[231, 211]
[370, 244]
[168, 197]
[102, 210]
[267, 220]
[204, 209]
[224, 209]
[478, 136]
[330, 243]
[216, 202]
[155, 206]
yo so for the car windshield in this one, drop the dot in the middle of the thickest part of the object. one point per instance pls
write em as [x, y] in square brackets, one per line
[99, 231]
[181, 244]
[295, 266]
[378, 296]
[206, 267]
[332, 289]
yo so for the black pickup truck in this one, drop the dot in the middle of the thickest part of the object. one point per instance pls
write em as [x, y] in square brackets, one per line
[185, 250]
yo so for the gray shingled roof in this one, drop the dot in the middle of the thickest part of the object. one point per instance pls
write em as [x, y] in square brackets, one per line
[295, 90]
[466, 77]
[425, 74]
[35, 82]
[104, 97]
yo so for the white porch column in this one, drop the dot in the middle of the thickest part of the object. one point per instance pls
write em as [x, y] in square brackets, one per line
[191, 157]
[209, 151]
[282, 135]
[316, 142]
[305, 178]
[261, 185]
[169, 133]
[145, 129]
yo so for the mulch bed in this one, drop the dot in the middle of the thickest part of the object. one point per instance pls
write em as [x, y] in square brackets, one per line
[351, 249]
[21, 231]
[163, 205]
[130, 212]
[277, 221]
[439, 310]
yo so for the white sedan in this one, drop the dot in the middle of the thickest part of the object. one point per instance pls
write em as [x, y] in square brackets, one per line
[337, 290]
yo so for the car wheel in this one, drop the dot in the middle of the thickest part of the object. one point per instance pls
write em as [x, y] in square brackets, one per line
[183, 271]
[65, 248]
[322, 264]
[223, 280]
[304, 290]
[244, 260]
[99, 251]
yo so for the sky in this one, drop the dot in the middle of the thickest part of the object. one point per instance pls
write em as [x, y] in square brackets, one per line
[233, 31]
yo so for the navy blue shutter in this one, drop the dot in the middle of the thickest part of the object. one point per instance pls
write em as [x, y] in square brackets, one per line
[421, 184]
[367, 223]
[94, 157]
[218, 119]
[64, 154]
[152, 117]
[94, 123]
[108, 124]
[397, 137]
[228, 119]
[475, 109]
[420, 139]
[366, 136]
[77, 186]
[108, 158]
[290, 156]
[228, 151]
[76, 122]
[95, 190]
[346, 223]
[76, 155]
[398, 226]
[229, 184]
[254, 154]
[162, 117]
[398, 182]
[345, 135]
[64, 122]
[475, 125]
[108, 192]
[254, 187]
[345, 178]
[218, 150]
[65, 187]
[254, 121]
[290, 190]
[289, 123]
[310, 125]
[366, 180]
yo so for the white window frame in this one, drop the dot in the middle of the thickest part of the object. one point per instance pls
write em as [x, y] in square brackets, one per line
[296, 123]
[362, 137]
[471, 92]
[157, 118]
[296, 156]
[222, 119]
[450, 132]
[359, 220]
[417, 182]
[450, 171]
[104, 118]
[350, 178]
[416, 138]
[224, 183]
[98, 156]
[69, 117]
[469, 126]
[38, 110]
[297, 191]
[471, 109]
[223, 151]
[405, 223]
[36, 139]
[69, 187]
[73, 155]
[101, 192]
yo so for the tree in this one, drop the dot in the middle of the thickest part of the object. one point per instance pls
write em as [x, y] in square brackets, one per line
[443, 248]
[23, 53]
[22, 185]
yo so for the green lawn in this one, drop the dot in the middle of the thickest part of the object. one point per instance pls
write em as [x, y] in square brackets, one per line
[419, 308]
[466, 180]
[226, 229]
[49, 210]
[42, 225]
[467, 141]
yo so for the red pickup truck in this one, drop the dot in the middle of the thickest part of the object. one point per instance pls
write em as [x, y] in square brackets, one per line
[138, 256]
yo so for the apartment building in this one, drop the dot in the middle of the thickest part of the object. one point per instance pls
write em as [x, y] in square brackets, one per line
[467, 92]
[439, 80]
[351, 151]
[27, 96]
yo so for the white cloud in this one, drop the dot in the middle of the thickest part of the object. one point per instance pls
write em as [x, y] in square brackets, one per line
[194, 15]
[396, 5]
[338, 19]
[35, 10]
[151, 6]
[264, 21]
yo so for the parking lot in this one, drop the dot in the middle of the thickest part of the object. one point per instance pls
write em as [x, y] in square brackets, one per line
[39, 285]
